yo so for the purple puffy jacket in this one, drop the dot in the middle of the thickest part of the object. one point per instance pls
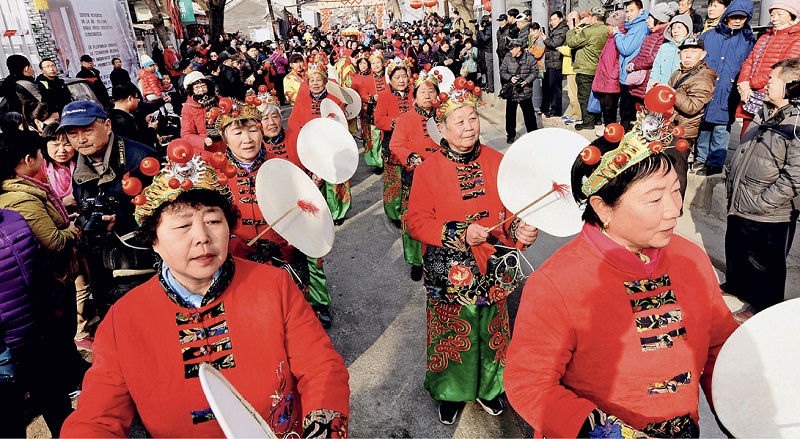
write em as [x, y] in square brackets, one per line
[18, 248]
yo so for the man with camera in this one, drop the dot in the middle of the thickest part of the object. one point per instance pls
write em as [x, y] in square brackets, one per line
[763, 185]
[106, 212]
[485, 48]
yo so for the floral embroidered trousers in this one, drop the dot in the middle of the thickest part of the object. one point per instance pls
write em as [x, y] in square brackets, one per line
[392, 185]
[466, 350]
[412, 249]
[372, 145]
[338, 198]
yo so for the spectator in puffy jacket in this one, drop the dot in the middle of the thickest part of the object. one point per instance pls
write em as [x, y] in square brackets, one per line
[667, 59]
[694, 87]
[281, 65]
[553, 62]
[763, 185]
[520, 69]
[780, 42]
[150, 83]
[606, 79]
[657, 21]
[727, 46]
[587, 40]
[628, 44]
[18, 248]
[172, 61]
[200, 98]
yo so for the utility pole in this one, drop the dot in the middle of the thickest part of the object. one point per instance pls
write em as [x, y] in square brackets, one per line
[272, 21]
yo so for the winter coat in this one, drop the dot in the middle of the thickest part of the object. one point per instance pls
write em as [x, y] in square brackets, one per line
[229, 83]
[280, 62]
[18, 248]
[606, 78]
[46, 223]
[697, 22]
[152, 89]
[764, 179]
[96, 84]
[525, 68]
[630, 42]
[127, 125]
[558, 35]
[692, 96]
[726, 50]
[485, 38]
[19, 90]
[54, 92]
[171, 57]
[667, 60]
[772, 47]
[426, 58]
[588, 43]
[193, 127]
[502, 41]
[442, 56]
[644, 60]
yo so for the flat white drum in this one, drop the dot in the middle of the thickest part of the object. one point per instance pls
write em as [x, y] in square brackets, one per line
[756, 384]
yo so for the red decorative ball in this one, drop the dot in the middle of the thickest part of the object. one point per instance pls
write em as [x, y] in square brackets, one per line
[273, 92]
[187, 184]
[218, 160]
[682, 145]
[614, 132]
[590, 155]
[235, 114]
[225, 104]
[150, 166]
[436, 103]
[262, 89]
[139, 200]
[477, 91]
[427, 67]
[131, 186]
[460, 83]
[678, 131]
[656, 146]
[180, 151]
[213, 112]
[443, 97]
[174, 183]
[415, 76]
[230, 170]
[620, 159]
[222, 178]
[470, 85]
[660, 98]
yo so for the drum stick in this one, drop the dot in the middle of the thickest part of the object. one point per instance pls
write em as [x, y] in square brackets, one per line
[305, 205]
[559, 189]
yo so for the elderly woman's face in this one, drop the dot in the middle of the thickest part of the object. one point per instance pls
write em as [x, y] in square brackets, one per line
[244, 140]
[316, 83]
[462, 129]
[193, 242]
[271, 124]
[646, 214]
[425, 95]
[779, 17]
[377, 65]
[399, 79]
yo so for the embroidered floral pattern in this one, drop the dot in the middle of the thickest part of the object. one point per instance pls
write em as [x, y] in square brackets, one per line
[663, 340]
[281, 411]
[670, 386]
[641, 286]
[447, 335]
[325, 423]
[206, 349]
[196, 317]
[342, 191]
[600, 425]
[656, 321]
[653, 302]
[500, 332]
[679, 426]
[454, 235]
[391, 183]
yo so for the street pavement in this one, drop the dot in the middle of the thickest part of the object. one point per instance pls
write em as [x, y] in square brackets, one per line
[379, 314]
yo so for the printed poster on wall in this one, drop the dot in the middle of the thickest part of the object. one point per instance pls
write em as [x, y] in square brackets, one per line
[97, 28]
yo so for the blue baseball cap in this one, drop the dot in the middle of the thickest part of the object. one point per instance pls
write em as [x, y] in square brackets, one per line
[81, 114]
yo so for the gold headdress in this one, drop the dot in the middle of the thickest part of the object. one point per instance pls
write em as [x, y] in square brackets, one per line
[463, 93]
[264, 98]
[650, 134]
[377, 54]
[229, 110]
[183, 172]
[426, 76]
[397, 63]
[317, 64]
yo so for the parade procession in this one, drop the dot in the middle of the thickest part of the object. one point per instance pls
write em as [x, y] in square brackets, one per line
[331, 224]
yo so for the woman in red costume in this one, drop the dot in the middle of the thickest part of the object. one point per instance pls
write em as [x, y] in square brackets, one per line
[391, 104]
[369, 83]
[619, 328]
[468, 270]
[247, 320]
[410, 145]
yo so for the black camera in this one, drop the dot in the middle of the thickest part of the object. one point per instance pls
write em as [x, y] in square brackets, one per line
[92, 211]
[473, 21]
[792, 91]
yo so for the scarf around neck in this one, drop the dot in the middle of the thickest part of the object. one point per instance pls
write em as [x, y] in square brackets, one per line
[51, 195]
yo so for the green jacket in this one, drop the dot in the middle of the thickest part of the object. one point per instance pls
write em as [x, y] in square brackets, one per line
[588, 42]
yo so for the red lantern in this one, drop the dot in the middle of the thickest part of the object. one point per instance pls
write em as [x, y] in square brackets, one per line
[415, 4]
[487, 6]
[660, 98]
[430, 3]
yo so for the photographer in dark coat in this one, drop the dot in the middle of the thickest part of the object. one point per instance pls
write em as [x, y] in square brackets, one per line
[485, 47]
[520, 69]
[106, 211]
[553, 79]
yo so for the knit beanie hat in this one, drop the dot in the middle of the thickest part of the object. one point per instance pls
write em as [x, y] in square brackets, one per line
[790, 6]
[146, 61]
[616, 19]
[664, 12]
